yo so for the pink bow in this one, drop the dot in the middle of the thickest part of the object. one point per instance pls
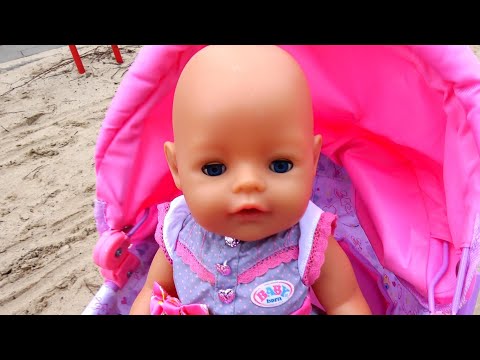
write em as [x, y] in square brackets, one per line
[163, 304]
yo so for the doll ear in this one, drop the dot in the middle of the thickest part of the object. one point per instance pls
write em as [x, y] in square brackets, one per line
[317, 147]
[169, 148]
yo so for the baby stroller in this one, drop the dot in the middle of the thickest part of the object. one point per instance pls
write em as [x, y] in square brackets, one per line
[400, 167]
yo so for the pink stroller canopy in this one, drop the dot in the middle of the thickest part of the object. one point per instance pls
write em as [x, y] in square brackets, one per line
[403, 121]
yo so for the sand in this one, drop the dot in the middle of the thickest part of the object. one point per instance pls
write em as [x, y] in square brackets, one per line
[50, 116]
[49, 127]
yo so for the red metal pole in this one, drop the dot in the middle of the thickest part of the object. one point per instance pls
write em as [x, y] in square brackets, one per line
[116, 52]
[77, 59]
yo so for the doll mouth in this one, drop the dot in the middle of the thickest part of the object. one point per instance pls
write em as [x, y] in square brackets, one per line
[249, 209]
[249, 213]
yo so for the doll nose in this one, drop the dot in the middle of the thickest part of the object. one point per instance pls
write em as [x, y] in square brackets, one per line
[248, 181]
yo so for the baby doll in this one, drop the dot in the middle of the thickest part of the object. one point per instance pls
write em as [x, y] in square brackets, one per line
[244, 238]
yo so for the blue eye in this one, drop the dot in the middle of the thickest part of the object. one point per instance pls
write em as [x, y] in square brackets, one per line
[281, 166]
[214, 169]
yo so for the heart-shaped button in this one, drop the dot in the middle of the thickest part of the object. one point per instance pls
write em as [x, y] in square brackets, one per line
[231, 241]
[223, 269]
[226, 296]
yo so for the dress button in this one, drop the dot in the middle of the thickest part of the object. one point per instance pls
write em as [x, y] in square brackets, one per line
[223, 269]
[231, 241]
[226, 296]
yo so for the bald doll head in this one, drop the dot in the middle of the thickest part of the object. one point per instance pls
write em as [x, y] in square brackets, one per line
[244, 153]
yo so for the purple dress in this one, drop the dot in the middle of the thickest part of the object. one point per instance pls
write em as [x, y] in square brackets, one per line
[271, 276]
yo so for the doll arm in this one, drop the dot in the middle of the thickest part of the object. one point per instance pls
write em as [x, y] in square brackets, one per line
[337, 288]
[160, 271]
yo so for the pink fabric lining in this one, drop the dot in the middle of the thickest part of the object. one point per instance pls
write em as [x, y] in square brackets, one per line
[325, 228]
[305, 309]
[162, 211]
[260, 268]
[188, 258]
[100, 219]
[414, 129]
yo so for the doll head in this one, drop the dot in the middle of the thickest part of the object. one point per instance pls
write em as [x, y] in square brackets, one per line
[244, 153]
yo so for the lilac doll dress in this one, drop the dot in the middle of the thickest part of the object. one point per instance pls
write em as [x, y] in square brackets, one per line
[271, 276]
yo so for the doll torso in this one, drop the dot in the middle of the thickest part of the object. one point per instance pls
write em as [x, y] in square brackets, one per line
[269, 276]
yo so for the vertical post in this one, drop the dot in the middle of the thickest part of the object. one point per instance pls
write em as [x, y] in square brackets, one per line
[116, 52]
[77, 59]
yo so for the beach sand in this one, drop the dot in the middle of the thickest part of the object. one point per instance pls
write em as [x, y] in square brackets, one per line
[50, 116]
[49, 125]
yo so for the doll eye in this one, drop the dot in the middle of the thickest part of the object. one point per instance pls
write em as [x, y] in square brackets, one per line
[281, 166]
[214, 169]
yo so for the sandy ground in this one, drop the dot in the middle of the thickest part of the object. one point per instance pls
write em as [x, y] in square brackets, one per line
[49, 125]
[50, 117]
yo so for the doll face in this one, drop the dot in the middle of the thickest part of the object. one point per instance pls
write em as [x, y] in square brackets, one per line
[246, 164]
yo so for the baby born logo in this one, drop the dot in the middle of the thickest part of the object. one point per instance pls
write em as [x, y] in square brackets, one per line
[272, 293]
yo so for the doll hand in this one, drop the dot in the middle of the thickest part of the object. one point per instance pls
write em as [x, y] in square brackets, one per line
[163, 304]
